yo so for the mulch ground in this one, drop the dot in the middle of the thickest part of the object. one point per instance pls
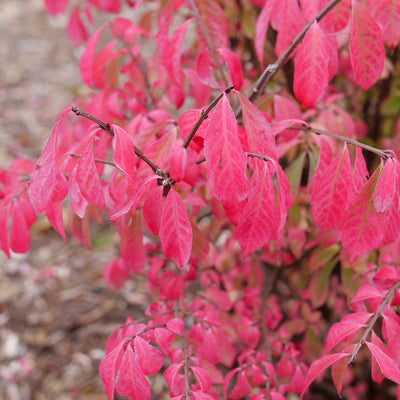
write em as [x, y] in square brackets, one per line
[56, 311]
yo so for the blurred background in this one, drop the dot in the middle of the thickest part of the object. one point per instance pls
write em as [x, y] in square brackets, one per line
[56, 312]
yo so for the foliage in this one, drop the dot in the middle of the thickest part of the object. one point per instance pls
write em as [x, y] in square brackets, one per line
[257, 221]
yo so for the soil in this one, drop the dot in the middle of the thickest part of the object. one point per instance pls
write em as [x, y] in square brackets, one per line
[56, 311]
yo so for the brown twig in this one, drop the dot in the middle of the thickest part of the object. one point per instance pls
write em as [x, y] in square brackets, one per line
[204, 116]
[385, 302]
[107, 127]
[381, 153]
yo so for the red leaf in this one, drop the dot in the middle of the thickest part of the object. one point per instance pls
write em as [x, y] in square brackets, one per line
[311, 73]
[319, 366]
[130, 381]
[332, 190]
[387, 365]
[261, 29]
[47, 183]
[175, 230]
[124, 152]
[108, 368]
[176, 325]
[260, 220]
[361, 229]
[367, 53]
[76, 31]
[20, 239]
[150, 359]
[55, 7]
[225, 157]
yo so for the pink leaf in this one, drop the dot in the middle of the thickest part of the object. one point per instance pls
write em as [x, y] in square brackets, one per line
[287, 32]
[174, 379]
[75, 29]
[108, 368]
[361, 229]
[387, 186]
[152, 209]
[345, 329]
[20, 239]
[55, 7]
[224, 154]
[202, 377]
[47, 183]
[175, 230]
[387, 365]
[260, 220]
[87, 176]
[176, 325]
[131, 244]
[331, 192]
[339, 373]
[311, 73]
[367, 53]
[150, 359]
[360, 171]
[261, 29]
[86, 63]
[234, 65]
[387, 14]
[4, 211]
[124, 152]
[130, 380]
[321, 365]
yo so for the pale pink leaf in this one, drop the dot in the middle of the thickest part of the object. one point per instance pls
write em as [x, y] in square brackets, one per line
[174, 379]
[367, 53]
[175, 230]
[311, 72]
[225, 157]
